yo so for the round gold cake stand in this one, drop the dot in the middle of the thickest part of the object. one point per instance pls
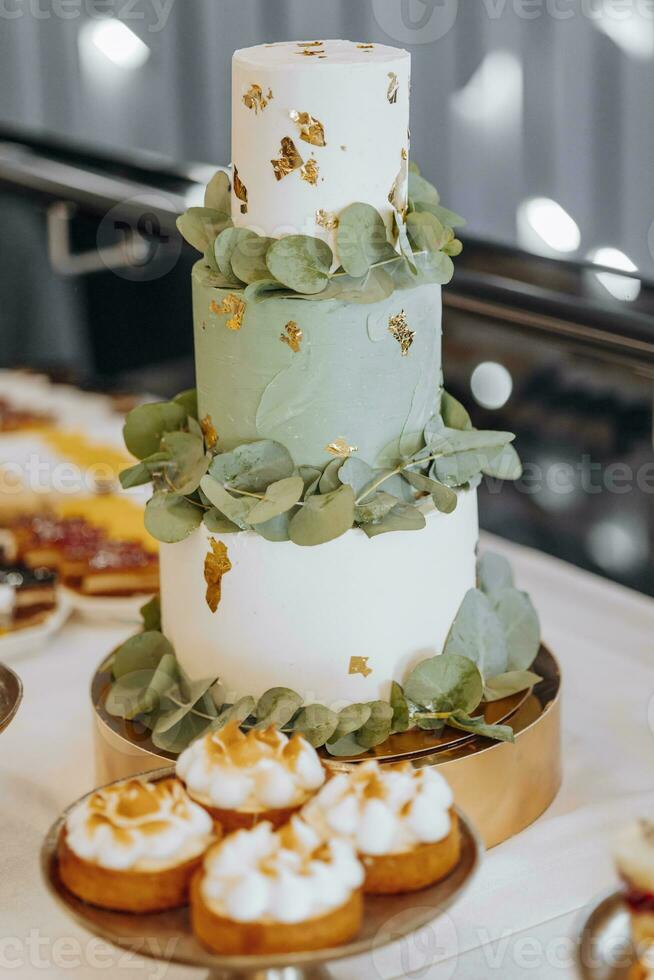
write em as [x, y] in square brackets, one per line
[11, 695]
[502, 786]
[167, 936]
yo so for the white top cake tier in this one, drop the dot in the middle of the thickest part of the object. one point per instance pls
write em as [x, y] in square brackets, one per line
[316, 126]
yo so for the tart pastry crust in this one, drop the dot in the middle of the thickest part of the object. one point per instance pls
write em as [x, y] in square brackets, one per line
[410, 871]
[231, 938]
[126, 891]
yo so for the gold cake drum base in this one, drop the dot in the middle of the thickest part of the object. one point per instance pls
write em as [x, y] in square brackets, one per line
[502, 787]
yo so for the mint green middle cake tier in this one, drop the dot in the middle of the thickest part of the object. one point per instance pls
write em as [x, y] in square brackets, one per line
[368, 373]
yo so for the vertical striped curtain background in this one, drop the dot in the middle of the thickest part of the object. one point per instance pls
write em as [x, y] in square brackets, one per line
[511, 98]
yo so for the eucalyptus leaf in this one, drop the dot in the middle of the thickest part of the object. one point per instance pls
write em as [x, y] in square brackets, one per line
[171, 518]
[264, 289]
[401, 721]
[277, 706]
[135, 476]
[378, 727]
[447, 441]
[445, 683]
[235, 509]
[146, 424]
[446, 217]
[323, 517]
[512, 682]
[445, 500]
[356, 474]
[351, 719]
[478, 726]
[316, 723]
[403, 517]
[478, 634]
[175, 739]
[434, 267]
[345, 747]
[494, 574]
[249, 258]
[129, 696]
[240, 711]
[362, 239]
[253, 466]
[276, 529]
[151, 614]
[421, 191]
[140, 653]
[199, 226]
[311, 478]
[217, 194]
[217, 523]
[504, 465]
[189, 461]
[453, 413]
[375, 507]
[458, 469]
[278, 498]
[330, 479]
[188, 399]
[521, 625]
[300, 262]
[225, 245]
[425, 231]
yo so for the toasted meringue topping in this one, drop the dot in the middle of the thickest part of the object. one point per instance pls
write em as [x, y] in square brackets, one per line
[289, 876]
[258, 771]
[139, 826]
[634, 854]
[383, 811]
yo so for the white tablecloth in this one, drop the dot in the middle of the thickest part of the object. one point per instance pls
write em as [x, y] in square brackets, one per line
[519, 918]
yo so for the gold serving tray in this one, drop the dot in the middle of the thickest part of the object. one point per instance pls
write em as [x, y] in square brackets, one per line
[167, 935]
[503, 787]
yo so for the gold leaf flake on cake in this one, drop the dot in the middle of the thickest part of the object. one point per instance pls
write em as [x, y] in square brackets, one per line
[255, 99]
[231, 305]
[393, 88]
[216, 564]
[311, 53]
[311, 129]
[209, 431]
[241, 192]
[292, 336]
[365, 47]
[310, 172]
[310, 44]
[327, 219]
[289, 159]
[405, 154]
[398, 326]
[359, 665]
[340, 448]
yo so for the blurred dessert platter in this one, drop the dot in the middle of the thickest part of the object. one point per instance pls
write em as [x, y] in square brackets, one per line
[31, 607]
[634, 857]
[259, 881]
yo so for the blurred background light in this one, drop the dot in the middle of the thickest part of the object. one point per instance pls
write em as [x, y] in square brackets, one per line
[493, 94]
[491, 384]
[621, 287]
[619, 545]
[546, 227]
[629, 27]
[114, 41]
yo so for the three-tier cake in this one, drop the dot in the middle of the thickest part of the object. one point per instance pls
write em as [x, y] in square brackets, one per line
[317, 504]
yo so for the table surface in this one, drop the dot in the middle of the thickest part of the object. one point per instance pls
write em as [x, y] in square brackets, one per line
[521, 915]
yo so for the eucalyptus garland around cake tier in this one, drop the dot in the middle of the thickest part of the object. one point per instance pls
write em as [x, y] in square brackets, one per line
[487, 656]
[258, 487]
[371, 267]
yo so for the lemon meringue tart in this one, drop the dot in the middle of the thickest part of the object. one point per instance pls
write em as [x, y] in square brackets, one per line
[400, 820]
[134, 846]
[243, 779]
[265, 892]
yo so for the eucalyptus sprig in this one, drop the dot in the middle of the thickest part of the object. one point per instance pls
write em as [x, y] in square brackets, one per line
[373, 263]
[258, 487]
[150, 686]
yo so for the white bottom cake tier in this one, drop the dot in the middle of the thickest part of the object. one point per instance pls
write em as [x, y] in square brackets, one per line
[300, 617]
